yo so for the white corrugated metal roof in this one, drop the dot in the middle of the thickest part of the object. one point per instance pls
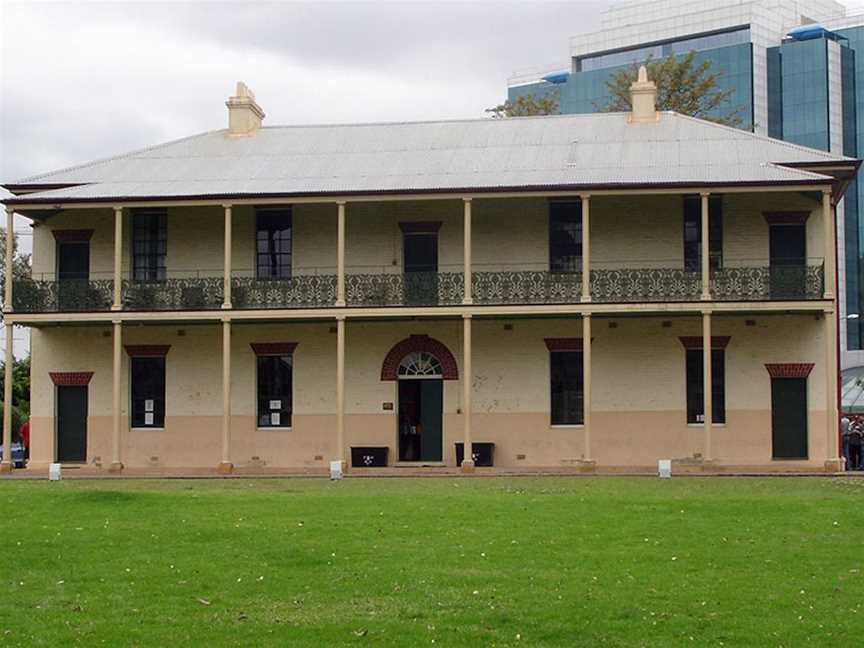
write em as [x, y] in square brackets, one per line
[488, 154]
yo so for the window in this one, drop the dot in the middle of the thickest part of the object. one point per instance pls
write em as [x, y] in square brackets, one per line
[148, 392]
[695, 386]
[567, 394]
[693, 233]
[273, 239]
[565, 236]
[149, 244]
[275, 375]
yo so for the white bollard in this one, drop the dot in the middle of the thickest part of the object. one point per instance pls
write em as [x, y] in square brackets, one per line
[335, 470]
[664, 468]
[54, 472]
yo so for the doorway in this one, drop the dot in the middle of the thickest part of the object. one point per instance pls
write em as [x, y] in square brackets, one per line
[73, 274]
[71, 423]
[420, 419]
[788, 260]
[789, 418]
[420, 262]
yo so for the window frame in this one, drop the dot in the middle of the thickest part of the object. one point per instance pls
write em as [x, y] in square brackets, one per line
[694, 386]
[149, 264]
[692, 233]
[279, 263]
[160, 403]
[283, 412]
[558, 247]
[580, 388]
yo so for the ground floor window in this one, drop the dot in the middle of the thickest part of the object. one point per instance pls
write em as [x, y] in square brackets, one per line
[148, 392]
[567, 388]
[275, 376]
[695, 386]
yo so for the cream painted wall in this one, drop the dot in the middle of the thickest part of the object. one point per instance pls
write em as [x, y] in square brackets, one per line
[638, 405]
[508, 234]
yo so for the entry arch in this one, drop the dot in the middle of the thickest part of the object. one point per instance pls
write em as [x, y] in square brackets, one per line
[419, 347]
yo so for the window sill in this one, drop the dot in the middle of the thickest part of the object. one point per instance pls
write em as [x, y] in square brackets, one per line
[273, 429]
[567, 426]
[147, 429]
[702, 425]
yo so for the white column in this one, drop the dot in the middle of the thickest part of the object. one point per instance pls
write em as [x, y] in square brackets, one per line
[468, 297]
[10, 245]
[116, 464]
[225, 466]
[830, 244]
[340, 390]
[586, 382]
[706, 249]
[226, 301]
[707, 402]
[586, 248]
[340, 253]
[832, 445]
[6, 465]
[468, 456]
[118, 259]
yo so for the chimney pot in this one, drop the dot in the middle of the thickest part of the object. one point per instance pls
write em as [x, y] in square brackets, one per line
[643, 99]
[244, 114]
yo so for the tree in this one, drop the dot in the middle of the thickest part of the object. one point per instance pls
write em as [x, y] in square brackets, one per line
[526, 105]
[682, 86]
[20, 394]
[20, 263]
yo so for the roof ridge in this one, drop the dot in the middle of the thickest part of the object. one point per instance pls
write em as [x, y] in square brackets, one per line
[110, 158]
[460, 120]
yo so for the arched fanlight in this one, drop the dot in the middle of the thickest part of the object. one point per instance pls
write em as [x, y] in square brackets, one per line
[420, 363]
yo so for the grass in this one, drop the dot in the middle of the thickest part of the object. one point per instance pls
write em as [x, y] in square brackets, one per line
[450, 562]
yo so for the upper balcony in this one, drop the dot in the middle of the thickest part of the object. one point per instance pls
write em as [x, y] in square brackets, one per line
[528, 251]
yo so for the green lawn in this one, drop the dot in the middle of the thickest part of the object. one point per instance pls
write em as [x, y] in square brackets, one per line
[550, 561]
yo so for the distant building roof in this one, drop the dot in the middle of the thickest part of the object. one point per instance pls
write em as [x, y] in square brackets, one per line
[553, 152]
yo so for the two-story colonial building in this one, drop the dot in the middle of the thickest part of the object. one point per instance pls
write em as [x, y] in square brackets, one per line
[593, 292]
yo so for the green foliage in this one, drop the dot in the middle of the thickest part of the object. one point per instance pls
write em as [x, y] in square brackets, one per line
[20, 264]
[20, 393]
[525, 106]
[682, 86]
[512, 562]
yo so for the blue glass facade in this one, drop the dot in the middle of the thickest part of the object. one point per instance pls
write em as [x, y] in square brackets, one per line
[804, 93]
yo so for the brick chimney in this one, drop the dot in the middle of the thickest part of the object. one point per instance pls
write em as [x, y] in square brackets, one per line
[244, 114]
[643, 99]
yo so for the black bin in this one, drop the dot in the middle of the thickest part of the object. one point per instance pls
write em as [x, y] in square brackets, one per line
[369, 457]
[482, 452]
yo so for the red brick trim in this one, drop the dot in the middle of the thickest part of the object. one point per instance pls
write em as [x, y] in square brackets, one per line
[273, 348]
[416, 343]
[789, 369]
[72, 235]
[420, 227]
[786, 217]
[147, 350]
[564, 344]
[70, 378]
[695, 341]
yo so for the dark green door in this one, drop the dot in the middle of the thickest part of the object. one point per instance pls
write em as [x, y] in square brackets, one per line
[73, 275]
[789, 418]
[420, 259]
[431, 408]
[788, 261]
[71, 423]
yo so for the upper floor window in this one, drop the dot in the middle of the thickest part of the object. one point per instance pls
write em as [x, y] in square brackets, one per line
[565, 236]
[149, 244]
[273, 242]
[693, 232]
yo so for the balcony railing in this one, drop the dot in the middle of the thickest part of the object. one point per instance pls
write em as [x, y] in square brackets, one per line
[738, 280]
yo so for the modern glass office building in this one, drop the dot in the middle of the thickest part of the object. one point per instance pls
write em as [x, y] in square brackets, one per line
[794, 69]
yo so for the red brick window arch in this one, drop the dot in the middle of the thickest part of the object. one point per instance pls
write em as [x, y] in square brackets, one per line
[419, 344]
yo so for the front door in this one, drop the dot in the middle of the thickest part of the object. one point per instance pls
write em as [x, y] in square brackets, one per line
[71, 423]
[420, 259]
[788, 261]
[420, 419]
[789, 418]
[73, 275]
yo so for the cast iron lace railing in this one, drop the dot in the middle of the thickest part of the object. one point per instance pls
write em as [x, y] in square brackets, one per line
[526, 287]
[404, 289]
[300, 291]
[645, 285]
[198, 293]
[759, 283]
[68, 295]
